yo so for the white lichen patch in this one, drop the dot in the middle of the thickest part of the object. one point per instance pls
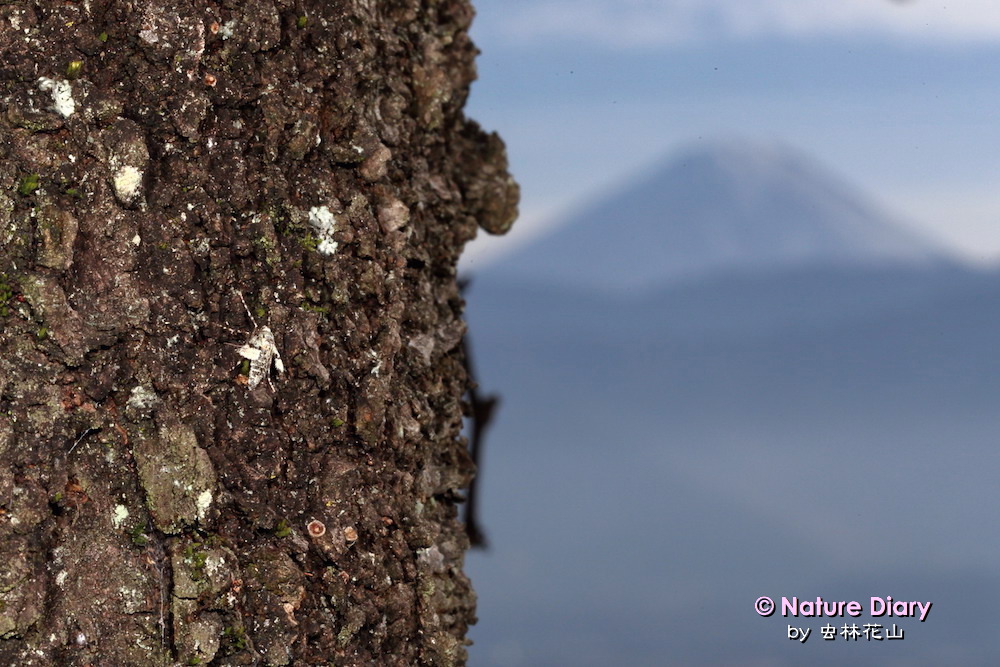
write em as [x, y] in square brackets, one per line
[226, 30]
[61, 578]
[214, 564]
[121, 513]
[325, 224]
[378, 364]
[142, 398]
[127, 182]
[203, 502]
[62, 95]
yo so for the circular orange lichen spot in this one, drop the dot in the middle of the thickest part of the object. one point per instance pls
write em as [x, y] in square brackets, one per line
[316, 528]
[210, 80]
[214, 27]
[351, 534]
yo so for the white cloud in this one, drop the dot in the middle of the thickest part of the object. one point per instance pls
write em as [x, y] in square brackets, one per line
[657, 23]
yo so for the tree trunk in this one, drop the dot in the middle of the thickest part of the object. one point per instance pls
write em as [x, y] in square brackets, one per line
[167, 494]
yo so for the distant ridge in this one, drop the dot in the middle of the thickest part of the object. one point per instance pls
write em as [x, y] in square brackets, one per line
[717, 208]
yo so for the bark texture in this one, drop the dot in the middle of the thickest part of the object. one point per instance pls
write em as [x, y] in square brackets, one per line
[162, 162]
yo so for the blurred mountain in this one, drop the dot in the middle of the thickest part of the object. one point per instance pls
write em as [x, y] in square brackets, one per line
[730, 206]
[737, 378]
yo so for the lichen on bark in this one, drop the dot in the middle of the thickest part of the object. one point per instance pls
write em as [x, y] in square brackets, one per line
[161, 164]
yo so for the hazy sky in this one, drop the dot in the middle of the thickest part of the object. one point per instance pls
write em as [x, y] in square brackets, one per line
[899, 97]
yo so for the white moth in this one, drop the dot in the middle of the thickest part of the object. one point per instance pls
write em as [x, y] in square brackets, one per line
[261, 351]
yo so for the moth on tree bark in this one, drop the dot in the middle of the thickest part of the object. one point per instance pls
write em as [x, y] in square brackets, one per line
[157, 161]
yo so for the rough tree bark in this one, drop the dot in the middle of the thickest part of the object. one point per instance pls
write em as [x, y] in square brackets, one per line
[161, 163]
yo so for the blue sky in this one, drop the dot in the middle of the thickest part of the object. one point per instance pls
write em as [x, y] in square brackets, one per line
[900, 98]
